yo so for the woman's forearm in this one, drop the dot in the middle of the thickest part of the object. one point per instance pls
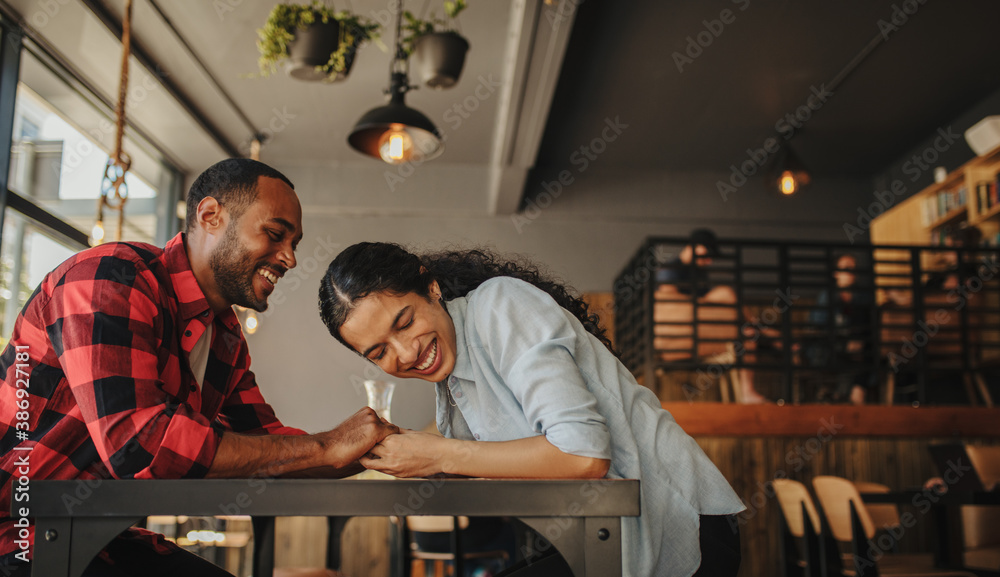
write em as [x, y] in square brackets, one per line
[533, 457]
[414, 454]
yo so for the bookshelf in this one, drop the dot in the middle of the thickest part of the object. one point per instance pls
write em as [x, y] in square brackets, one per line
[967, 196]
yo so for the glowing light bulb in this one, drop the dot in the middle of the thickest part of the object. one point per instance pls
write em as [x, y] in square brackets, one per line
[97, 233]
[787, 183]
[396, 145]
[251, 322]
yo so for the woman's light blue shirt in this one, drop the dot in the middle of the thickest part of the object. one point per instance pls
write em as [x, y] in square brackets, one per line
[525, 366]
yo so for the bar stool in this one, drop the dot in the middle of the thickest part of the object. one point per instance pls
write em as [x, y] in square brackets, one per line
[443, 562]
[849, 522]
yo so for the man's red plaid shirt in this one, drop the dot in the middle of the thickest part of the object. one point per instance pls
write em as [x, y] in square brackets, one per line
[108, 335]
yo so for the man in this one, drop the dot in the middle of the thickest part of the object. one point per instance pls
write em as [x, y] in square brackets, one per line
[136, 366]
[684, 281]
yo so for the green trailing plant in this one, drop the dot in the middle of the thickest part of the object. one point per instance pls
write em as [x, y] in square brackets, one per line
[285, 19]
[413, 28]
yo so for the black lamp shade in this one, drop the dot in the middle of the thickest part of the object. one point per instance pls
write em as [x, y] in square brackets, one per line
[365, 137]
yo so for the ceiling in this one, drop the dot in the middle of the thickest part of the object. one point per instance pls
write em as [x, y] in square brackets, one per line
[550, 75]
[760, 67]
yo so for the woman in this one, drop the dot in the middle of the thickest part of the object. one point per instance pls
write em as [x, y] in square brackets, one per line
[525, 370]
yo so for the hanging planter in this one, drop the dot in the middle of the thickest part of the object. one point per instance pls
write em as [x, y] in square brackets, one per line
[314, 42]
[310, 49]
[435, 50]
[438, 59]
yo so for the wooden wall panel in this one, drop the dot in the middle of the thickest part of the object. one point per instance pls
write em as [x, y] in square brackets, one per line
[301, 542]
[750, 463]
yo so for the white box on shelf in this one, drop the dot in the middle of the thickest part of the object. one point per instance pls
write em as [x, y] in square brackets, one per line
[984, 136]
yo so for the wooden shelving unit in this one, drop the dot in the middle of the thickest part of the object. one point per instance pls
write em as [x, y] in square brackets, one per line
[921, 218]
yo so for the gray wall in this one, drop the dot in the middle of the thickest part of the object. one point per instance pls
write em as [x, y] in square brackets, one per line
[585, 236]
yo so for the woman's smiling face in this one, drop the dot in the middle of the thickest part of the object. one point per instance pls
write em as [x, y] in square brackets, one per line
[407, 336]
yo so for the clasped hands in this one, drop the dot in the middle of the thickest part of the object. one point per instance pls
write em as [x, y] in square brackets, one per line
[407, 454]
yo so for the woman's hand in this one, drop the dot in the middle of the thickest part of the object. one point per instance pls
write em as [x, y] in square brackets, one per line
[409, 454]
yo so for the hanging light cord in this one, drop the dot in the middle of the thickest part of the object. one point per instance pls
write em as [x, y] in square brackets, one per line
[123, 81]
[114, 191]
[398, 57]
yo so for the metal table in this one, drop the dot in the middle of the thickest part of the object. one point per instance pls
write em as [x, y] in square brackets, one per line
[582, 519]
[945, 514]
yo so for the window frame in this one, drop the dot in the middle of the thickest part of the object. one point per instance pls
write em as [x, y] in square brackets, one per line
[12, 45]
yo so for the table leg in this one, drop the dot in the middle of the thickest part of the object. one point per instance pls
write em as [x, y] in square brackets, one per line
[67, 546]
[602, 542]
[52, 547]
[336, 527]
[263, 545]
[566, 535]
[456, 548]
[948, 544]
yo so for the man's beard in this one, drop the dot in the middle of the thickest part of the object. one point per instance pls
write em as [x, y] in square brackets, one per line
[234, 270]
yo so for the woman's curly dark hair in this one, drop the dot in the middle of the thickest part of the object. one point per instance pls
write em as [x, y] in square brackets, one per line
[366, 268]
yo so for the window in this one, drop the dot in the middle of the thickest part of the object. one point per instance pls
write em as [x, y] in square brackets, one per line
[61, 146]
[61, 138]
[28, 253]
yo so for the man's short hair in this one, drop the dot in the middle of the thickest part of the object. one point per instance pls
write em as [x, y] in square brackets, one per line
[232, 182]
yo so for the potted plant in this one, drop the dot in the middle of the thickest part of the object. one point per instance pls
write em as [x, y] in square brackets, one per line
[436, 51]
[315, 42]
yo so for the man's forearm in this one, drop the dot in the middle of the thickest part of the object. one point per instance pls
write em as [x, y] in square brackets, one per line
[334, 452]
[328, 472]
[265, 455]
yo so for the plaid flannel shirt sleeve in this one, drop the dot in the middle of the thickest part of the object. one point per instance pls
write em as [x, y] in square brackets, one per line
[106, 329]
[245, 410]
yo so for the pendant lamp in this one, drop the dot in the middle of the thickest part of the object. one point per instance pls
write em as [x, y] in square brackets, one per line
[396, 133]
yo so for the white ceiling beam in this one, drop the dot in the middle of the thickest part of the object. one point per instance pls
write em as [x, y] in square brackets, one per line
[538, 38]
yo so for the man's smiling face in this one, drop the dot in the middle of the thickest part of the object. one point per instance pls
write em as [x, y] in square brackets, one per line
[259, 247]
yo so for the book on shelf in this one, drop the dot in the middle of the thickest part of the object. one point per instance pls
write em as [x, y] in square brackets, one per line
[937, 206]
[926, 211]
[986, 195]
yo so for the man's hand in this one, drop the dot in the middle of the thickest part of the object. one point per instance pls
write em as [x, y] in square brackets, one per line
[330, 454]
[350, 440]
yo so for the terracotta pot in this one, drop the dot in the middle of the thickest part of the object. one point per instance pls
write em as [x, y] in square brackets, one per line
[312, 47]
[438, 59]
